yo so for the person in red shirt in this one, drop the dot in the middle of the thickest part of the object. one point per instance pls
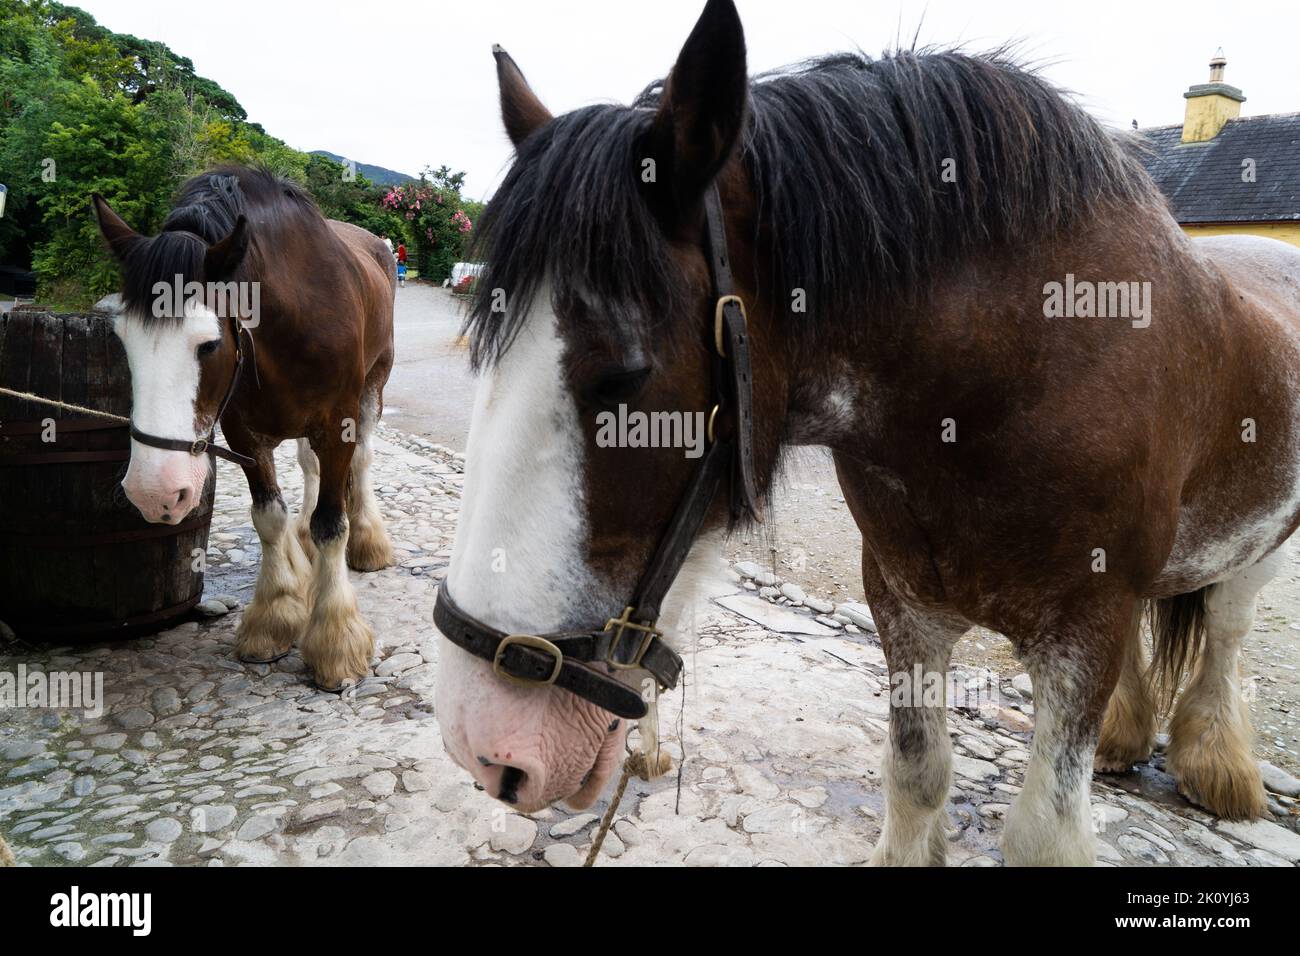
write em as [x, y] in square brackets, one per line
[401, 264]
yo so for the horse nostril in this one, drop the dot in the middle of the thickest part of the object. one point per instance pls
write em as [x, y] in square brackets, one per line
[512, 778]
[182, 495]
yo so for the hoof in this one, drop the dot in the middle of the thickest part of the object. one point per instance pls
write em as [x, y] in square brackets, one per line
[369, 548]
[247, 659]
[1210, 757]
[1116, 764]
[338, 647]
[1228, 799]
[342, 686]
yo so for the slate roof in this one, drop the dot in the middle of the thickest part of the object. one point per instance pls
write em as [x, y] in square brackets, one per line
[1203, 180]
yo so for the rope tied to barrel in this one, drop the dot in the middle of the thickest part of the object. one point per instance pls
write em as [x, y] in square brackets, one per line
[66, 406]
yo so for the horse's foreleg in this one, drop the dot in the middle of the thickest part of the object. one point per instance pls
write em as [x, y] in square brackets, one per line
[310, 466]
[918, 763]
[1210, 737]
[1128, 731]
[369, 548]
[277, 615]
[338, 644]
[1074, 672]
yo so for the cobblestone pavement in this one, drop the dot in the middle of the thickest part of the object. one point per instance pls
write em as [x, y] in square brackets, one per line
[198, 759]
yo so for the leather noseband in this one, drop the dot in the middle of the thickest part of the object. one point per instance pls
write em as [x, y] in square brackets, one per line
[632, 640]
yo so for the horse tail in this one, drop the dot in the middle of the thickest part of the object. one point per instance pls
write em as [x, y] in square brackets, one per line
[1177, 636]
[6, 855]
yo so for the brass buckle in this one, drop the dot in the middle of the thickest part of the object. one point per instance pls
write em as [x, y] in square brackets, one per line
[718, 338]
[528, 640]
[649, 633]
[199, 447]
[712, 415]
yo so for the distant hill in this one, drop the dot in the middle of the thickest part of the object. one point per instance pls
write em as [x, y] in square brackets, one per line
[376, 174]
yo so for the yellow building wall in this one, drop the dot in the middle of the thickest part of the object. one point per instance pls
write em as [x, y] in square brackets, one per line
[1286, 231]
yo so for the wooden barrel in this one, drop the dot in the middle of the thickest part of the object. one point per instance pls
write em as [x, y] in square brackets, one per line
[77, 561]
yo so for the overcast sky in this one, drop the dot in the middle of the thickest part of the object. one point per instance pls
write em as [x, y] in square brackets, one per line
[409, 85]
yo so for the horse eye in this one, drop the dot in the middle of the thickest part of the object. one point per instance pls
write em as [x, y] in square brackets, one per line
[615, 387]
[207, 348]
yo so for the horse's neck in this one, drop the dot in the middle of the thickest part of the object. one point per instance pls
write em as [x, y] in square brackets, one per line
[982, 328]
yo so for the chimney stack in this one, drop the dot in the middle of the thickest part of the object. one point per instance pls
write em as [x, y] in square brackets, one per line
[1210, 105]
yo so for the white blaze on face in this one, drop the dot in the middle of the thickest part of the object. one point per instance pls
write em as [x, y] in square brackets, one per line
[165, 375]
[519, 564]
[520, 539]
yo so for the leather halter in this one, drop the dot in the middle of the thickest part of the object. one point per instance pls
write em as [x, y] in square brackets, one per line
[208, 445]
[632, 640]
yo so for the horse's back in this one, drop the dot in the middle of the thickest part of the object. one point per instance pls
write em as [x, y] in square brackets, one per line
[380, 286]
[1247, 501]
[368, 248]
[1266, 268]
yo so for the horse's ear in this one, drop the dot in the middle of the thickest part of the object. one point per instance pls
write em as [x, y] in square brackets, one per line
[120, 237]
[224, 257]
[701, 111]
[521, 110]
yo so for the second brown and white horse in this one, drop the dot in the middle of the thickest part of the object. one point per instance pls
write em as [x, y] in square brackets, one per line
[251, 308]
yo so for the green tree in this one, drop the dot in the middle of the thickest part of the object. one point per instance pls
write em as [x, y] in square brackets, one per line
[86, 110]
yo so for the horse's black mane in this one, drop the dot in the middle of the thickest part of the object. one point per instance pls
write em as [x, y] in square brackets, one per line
[846, 154]
[205, 211]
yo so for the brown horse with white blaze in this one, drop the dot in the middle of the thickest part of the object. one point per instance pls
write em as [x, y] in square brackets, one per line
[900, 231]
[250, 308]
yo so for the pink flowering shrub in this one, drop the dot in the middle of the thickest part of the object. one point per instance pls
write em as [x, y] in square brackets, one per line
[440, 226]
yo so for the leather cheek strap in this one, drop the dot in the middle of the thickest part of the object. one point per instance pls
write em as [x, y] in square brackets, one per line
[733, 366]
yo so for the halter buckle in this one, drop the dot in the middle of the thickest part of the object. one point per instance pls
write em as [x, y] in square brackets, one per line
[719, 338]
[199, 447]
[621, 624]
[528, 640]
